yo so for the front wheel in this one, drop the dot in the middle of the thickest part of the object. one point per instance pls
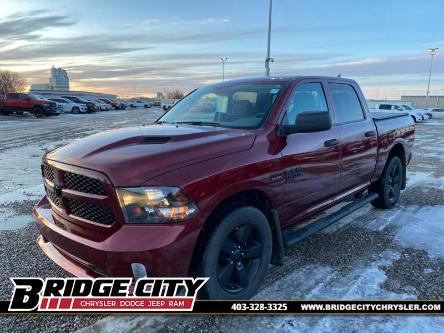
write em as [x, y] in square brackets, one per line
[389, 186]
[237, 255]
[37, 112]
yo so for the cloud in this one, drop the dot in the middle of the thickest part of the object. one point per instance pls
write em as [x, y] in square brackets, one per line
[407, 65]
[25, 25]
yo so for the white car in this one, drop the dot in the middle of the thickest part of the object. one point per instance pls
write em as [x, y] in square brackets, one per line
[140, 104]
[167, 104]
[69, 106]
[101, 105]
[417, 116]
[424, 112]
[437, 113]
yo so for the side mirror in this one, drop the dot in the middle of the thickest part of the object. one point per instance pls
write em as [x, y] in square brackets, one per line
[307, 122]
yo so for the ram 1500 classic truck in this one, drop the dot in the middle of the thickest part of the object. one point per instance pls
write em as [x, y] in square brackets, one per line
[216, 186]
[19, 102]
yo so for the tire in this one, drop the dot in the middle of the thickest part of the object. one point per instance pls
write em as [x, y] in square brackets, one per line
[37, 112]
[75, 110]
[389, 186]
[236, 255]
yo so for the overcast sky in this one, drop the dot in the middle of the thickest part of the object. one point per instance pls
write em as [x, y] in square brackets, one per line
[108, 45]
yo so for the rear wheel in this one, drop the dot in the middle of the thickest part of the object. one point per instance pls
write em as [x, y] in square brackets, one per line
[389, 186]
[237, 255]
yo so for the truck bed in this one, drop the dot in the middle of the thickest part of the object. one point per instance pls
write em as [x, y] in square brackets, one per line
[387, 115]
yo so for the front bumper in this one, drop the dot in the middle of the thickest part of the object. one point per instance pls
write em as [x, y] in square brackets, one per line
[164, 250]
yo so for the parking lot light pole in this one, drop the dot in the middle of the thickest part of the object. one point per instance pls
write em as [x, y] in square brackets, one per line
[432, 52]
[223, 60]
[268, 59]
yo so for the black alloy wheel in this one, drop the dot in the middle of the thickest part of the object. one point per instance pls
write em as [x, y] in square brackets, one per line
[390, 184]
[240, 258]
[236, 255]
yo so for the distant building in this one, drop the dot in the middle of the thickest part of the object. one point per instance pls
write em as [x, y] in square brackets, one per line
[159, 95]
[59, 86]
[40, 86]
[81, 94]
[59, 79]
[420, 101]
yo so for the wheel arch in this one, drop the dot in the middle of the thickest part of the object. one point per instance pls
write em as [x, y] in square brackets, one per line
[399, 151]
[255, 198]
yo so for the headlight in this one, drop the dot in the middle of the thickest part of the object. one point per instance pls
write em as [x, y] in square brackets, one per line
[155, 204]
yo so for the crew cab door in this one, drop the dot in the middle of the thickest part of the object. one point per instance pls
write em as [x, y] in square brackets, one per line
[310, 160]
[357, 132]
[25, 103]
[12, 101]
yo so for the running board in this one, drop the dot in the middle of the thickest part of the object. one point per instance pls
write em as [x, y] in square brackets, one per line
[291, 238]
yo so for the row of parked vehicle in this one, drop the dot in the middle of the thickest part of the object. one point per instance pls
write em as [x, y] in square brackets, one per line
[40, 106]
[418, 115]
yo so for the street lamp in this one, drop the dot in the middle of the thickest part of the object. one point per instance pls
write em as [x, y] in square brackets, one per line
[223, 60]
[432, 52]
[268, 59]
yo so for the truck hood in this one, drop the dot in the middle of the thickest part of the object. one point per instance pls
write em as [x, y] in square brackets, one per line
[131, 156]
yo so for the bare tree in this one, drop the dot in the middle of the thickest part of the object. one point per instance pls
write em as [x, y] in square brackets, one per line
[11, 82]
[173, 94]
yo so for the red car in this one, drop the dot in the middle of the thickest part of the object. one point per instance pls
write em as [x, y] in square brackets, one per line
[19, 102]
[213, 186]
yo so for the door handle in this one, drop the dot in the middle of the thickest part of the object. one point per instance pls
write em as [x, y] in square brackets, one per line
[331, 143]
[370, 134]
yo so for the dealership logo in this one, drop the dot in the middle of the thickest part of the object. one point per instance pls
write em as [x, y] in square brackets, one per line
[105, 294]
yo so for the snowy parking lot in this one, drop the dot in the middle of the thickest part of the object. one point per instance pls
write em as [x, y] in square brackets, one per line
[372, 254]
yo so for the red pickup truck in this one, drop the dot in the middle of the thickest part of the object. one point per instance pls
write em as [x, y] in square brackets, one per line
[215, 187]
[19, 103]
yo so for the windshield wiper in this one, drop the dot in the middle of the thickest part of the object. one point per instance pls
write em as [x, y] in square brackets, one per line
[199, 123]
[163, 122]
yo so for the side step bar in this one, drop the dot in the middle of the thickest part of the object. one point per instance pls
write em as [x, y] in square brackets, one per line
[291, 238]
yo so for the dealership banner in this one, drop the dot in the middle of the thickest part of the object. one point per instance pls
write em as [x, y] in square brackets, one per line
[175, 296]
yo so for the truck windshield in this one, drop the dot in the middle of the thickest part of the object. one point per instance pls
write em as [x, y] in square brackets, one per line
[236, 106]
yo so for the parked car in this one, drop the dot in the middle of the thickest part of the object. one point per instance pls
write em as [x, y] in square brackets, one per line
[140, 104]
[91, 107]
[425, 114]
[102, 105]
[156, 103]
[236, 164]
[70, 106]
[114, 105]
[436, 112]
[168, 103]
[416, 115]
[19, 103]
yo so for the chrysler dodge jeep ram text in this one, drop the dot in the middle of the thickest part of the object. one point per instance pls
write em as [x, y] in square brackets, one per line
[216, 186]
